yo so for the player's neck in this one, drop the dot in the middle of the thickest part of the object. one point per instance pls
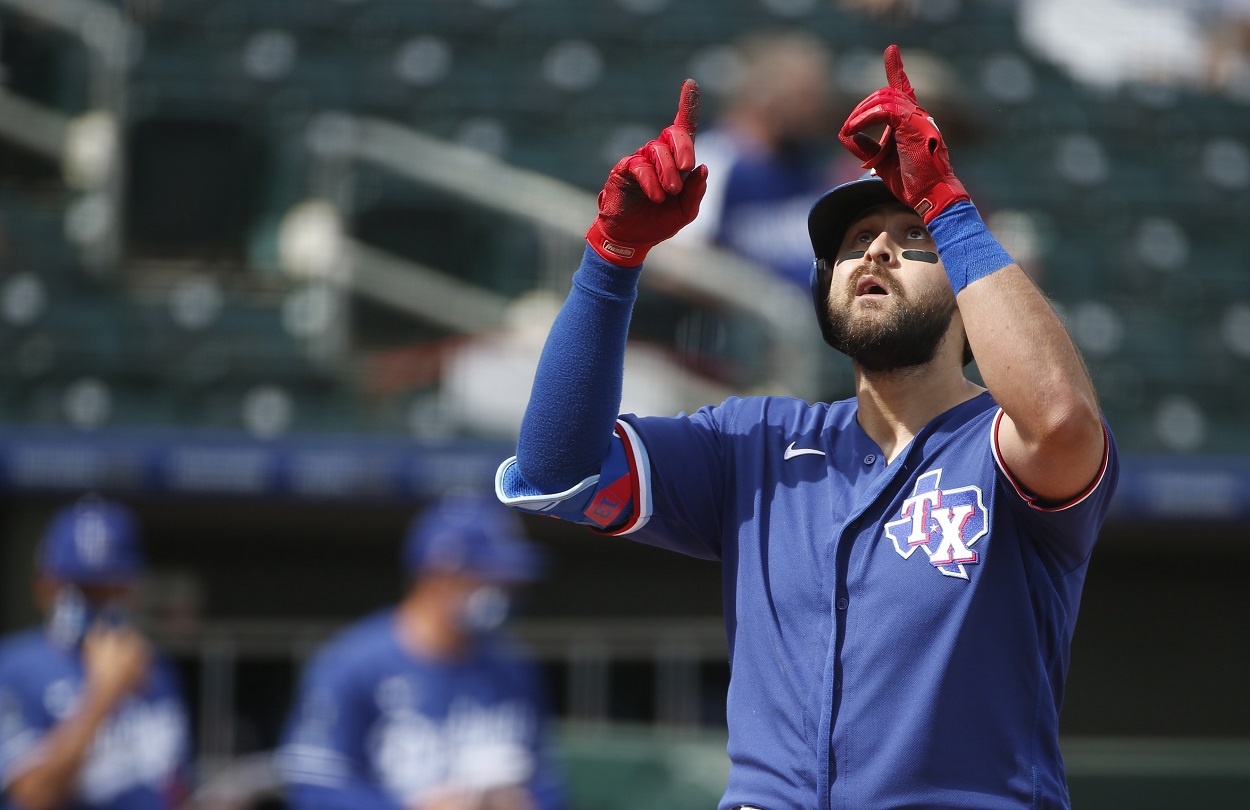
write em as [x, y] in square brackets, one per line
[424, 630]
[896, 405]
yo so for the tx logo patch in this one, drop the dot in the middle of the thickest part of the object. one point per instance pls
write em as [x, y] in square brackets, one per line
[945, 523]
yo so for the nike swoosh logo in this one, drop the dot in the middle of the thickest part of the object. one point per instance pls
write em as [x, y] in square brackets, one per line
[803, 451]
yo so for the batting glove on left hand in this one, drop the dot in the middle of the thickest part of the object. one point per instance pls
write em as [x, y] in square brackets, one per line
[911, 156]
[653, 193]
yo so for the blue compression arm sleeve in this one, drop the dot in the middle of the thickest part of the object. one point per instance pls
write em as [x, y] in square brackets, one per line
[968, 250]
[577, 388]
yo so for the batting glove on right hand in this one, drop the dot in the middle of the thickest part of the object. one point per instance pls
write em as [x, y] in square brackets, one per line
[911, 156]
[653, 193]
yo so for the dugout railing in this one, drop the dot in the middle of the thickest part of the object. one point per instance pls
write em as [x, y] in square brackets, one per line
[559, 211]
[673, 759]
[666, 673]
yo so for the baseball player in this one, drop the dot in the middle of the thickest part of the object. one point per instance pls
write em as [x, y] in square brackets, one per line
[90, 717]
[426, 706]
[901, 570]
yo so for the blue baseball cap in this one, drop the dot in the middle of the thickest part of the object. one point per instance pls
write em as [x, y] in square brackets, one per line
[474, 535]
[92, 540]
[827, 222]
[833, 213]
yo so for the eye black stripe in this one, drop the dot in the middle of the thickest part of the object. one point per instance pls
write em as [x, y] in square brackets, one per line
[854, 254]
[920, 256]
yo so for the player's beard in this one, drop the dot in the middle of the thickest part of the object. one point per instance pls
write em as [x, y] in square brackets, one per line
[898, 332]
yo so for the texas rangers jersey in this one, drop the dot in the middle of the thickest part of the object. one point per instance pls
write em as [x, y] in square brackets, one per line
[139, 757]
[376, 726]
[898, 633]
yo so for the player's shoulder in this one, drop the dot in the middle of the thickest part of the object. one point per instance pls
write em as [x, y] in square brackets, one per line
[975, 413]
[965, 429]
[787, 411]
[362, 644]
[371, 634]
[28, 657]
[24, 646]
[23, 639]
[748, 419]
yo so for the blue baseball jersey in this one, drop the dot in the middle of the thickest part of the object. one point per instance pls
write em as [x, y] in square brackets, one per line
[898, 633]
[139, 758]
[377, 726]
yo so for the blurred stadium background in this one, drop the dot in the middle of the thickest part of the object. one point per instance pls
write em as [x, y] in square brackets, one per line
[274, 272]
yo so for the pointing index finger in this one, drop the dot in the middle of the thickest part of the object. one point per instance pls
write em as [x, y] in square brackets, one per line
[688, 107]
[894, 74]
[680, 134]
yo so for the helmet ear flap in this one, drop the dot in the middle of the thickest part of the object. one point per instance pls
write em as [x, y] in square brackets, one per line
[822, 274]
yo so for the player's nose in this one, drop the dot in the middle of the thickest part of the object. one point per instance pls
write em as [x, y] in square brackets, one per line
[881, 250]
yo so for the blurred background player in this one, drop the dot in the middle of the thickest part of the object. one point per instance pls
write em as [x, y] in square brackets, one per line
[427, 706]
[90, 717]
[772, 152]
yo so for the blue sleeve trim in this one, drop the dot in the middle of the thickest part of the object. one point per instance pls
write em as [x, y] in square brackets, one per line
[968, 250]
[603, 501]
[513, 490]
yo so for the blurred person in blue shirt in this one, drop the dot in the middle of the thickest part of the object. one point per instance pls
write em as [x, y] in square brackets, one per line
[428, 705]
[772, 153]
[91, 718]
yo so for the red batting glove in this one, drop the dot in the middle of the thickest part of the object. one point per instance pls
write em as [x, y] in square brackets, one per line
[911, 156]
[653, 193]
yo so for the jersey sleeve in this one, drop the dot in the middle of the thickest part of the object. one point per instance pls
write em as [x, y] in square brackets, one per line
[1068, 530]
[610, 500]
[321, 758]
[662, 482]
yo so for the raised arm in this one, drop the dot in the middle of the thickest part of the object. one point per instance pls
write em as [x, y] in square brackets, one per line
[1051, 437]
[648, 197]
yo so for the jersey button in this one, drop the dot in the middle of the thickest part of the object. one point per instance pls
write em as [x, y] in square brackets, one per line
[842, 603]
[870, 459]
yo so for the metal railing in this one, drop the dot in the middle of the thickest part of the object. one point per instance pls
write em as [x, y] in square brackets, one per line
[585, 649]
[88, 143]
[703, 274]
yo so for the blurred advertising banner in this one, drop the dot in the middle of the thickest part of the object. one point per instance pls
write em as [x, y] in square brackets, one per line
[350, 468]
